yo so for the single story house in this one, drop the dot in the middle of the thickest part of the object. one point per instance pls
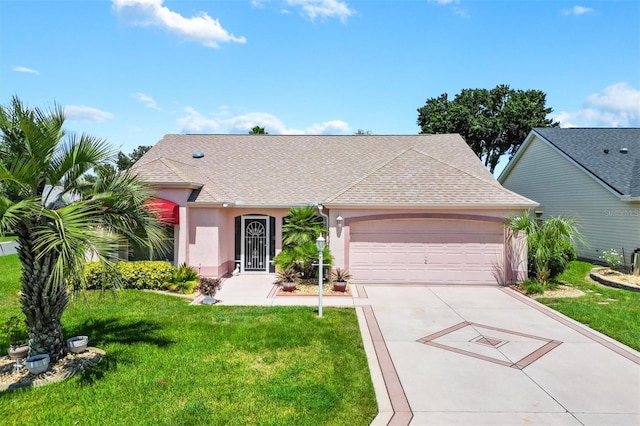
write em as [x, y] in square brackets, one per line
[400, 209]
[590, 174]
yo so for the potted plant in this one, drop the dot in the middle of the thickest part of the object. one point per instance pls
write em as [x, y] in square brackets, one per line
[15, 330]
[38, 363]
[287, 278]
[340, 278]
[77, 344]
[208, 287]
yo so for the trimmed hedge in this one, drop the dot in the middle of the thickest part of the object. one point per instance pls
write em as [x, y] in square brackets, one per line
[143, 274]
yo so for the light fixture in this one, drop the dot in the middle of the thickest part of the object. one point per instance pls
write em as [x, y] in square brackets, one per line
[339, 221]
[225, 204]
[539, 213]
[320, 243]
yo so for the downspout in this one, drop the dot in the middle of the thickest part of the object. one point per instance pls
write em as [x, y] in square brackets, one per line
[326, 216]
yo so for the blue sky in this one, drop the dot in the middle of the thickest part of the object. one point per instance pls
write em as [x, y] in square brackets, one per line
[131, 71]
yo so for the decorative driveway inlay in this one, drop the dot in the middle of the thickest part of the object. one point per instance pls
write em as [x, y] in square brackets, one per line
[497, 345]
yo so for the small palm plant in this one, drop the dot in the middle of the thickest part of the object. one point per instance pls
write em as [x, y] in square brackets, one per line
[287, 278]
[550, 243]
[183, 279]
[339, 277]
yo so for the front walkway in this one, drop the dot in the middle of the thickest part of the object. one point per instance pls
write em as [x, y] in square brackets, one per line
[469, 355]
[259, 290]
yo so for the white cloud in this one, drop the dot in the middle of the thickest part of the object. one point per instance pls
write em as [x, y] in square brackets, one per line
[85, 113]
[194, 122]
[577, 11]
[201, 28]
[323, 8]
[616, 106]
[147, 100]
[25, 69]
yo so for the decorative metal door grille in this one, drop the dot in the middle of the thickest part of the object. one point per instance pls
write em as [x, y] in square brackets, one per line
[255, 244]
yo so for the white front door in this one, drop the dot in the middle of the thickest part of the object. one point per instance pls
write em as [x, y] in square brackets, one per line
[254, 254]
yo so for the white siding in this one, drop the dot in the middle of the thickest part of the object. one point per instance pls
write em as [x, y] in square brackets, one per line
[562, 188]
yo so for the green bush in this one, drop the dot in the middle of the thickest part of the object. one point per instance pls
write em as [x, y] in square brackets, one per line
[144, 274]
[561, 255]
[183, 279]
[532, 286]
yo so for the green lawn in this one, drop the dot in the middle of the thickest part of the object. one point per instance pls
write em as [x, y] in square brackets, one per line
[169, 363]
[618, 318]
[9, 238]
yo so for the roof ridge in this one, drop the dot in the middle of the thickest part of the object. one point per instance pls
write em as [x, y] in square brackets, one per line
[492, 181]
[357, 181]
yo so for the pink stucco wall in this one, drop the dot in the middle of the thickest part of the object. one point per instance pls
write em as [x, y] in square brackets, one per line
[205, 236]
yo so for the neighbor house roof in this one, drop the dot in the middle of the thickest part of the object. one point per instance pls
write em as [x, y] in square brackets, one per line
[372, 170]
[611, 155]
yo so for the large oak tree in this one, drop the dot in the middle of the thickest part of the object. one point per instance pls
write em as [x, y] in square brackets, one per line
[493, 122]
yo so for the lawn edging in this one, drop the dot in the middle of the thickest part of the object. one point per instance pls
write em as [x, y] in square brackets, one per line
[594, 275]
[598, 337]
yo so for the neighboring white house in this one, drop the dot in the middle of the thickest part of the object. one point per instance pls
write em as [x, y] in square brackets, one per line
[590, 174]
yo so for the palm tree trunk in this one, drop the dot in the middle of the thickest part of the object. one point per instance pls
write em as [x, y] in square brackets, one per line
[43, 300]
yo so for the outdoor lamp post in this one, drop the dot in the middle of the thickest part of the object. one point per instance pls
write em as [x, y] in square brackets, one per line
[320, 244]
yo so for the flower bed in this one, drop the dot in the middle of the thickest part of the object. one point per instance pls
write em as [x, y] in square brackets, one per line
[310, 288]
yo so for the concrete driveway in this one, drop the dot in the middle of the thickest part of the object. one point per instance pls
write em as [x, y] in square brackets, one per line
[461, 355]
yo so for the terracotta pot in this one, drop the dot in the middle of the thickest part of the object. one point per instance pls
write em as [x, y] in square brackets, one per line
[38, 363]
[340, 286]
[288, 286]
[77, 344]
[18, 352]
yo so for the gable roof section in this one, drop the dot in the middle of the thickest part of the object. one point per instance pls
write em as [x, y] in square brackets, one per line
[586, 147]
[391, 184]
[287, 170]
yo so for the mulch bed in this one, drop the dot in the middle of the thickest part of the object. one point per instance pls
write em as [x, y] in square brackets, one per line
[71, 364]
[310, 288]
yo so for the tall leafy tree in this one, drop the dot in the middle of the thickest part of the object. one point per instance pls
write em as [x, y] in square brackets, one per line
[493, 122]
[56, 233]
[257, 130]
[125, 161]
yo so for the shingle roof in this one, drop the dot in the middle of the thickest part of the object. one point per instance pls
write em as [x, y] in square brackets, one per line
[408, 170]
[586, 146]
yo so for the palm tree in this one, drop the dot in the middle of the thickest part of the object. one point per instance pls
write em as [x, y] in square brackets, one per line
[550, 243]
[302, 226]
[56, 233]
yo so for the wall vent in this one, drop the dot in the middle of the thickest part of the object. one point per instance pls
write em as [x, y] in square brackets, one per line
[623, 150]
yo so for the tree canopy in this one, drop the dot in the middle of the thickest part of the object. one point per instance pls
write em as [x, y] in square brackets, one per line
[125, 161]
[257, 130]
[493, 122]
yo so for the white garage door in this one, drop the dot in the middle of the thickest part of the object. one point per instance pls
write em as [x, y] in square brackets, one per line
[426, 251]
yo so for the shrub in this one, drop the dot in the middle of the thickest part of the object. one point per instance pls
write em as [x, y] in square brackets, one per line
[209, 286]
[561, 255]
[144, 274]
[532, 286]
[302, 258]
[183, 279]
[15, 330]
[612, 257]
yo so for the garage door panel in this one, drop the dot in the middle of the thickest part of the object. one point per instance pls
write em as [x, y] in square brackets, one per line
[433, 251]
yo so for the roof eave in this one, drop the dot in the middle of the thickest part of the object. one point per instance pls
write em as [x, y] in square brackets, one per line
[182, 185]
